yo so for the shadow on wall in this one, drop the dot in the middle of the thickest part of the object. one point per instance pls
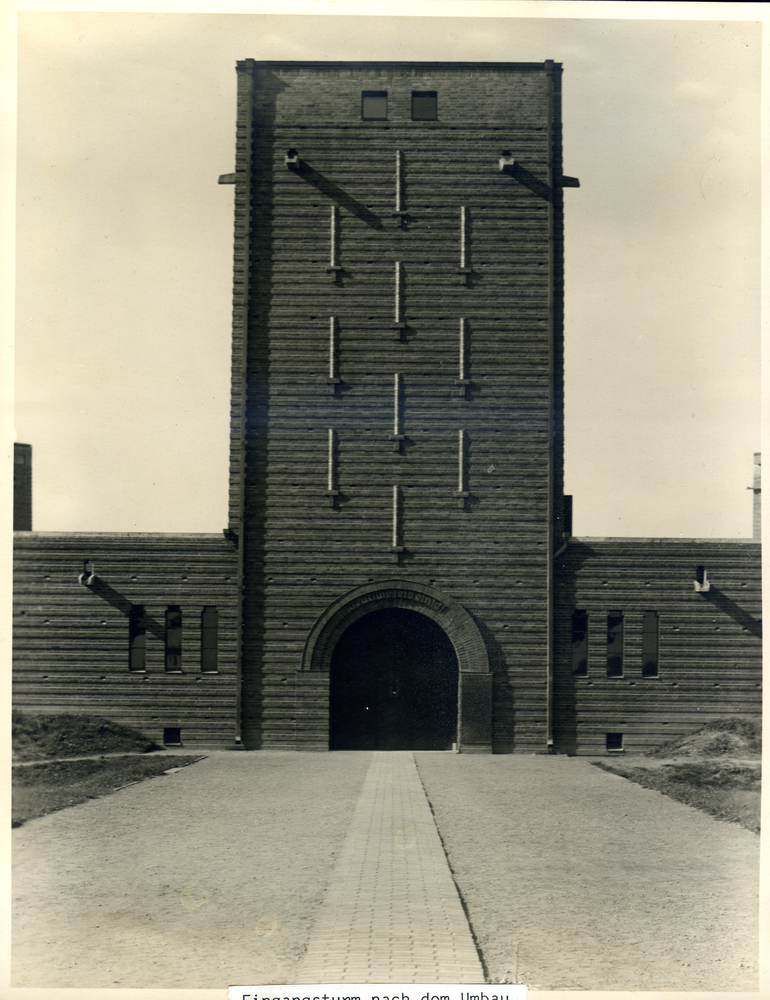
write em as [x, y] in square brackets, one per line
[337, 194]
[111, 596]
[503, 734]
[564, 681]
[735, 611]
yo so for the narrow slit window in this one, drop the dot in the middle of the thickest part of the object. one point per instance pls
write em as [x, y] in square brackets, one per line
[615, 644]
[650, 634]
[580, 643]
[424, 105]
[209, 640]
[174, 638]
[374, 104]
[137, 638]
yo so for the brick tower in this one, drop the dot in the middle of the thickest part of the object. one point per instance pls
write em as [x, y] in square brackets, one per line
[397, 427]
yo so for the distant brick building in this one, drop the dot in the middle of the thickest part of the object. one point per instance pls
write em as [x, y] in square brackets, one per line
[22, 487]
[398, 569]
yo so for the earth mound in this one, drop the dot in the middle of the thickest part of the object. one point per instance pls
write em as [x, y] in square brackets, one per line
[741, 738]
[41, 737]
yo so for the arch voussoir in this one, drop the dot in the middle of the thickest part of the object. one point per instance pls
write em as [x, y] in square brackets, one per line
[396, 593]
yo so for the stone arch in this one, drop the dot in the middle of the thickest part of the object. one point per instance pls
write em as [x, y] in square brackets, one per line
[452, 617]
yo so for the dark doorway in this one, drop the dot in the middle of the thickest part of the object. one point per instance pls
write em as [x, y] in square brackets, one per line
[393, 685]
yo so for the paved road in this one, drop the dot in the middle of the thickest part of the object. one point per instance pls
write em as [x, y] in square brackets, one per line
[218, 874]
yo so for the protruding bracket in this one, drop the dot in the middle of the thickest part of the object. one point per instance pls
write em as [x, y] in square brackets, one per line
[464, 387]
[569, 182]
[334, 385]
[462, 498]
[88, 576]
[292, 160]
[701, 583]
[331, 476]
[333, 496]
[397, 437]
[464, 267]
[399, 330]
[398, 441]
[467, 273]
[395, 547]
[397, 304]
[226, 179]
[399, 212]
[397, 551]
[462, 374]
[231, 536]
[334, 266]
[506, 163]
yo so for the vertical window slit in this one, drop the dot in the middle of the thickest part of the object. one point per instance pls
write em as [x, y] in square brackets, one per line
[209, 640]
[650, 643]
[615, 644]
[580, 643]
[174, 638]
[137, 638]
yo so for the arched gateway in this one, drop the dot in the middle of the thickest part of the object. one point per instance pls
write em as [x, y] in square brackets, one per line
[334, 631]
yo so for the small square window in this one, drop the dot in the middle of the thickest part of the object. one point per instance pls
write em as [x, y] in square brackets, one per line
[374, 104]
[424, 105]
[172, 736]
[614, 741]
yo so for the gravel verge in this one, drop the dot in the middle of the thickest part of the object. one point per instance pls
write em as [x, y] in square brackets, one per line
[198, 879]
[575, 879]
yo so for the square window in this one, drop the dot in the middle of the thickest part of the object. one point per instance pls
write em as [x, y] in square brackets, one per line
[374, 104]
[614, 741]
[424, 105]
[172, 736]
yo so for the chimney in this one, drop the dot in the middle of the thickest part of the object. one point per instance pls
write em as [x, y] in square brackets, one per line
[22, 487]
[757, 489]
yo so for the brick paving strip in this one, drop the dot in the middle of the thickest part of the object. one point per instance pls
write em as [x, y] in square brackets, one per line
[391, 913]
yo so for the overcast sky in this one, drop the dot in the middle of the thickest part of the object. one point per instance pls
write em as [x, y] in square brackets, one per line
[124, 253]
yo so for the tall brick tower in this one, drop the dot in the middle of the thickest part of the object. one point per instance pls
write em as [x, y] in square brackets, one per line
[397, 427]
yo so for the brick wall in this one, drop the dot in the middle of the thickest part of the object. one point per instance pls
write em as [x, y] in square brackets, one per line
[71, 641]
[709, 641]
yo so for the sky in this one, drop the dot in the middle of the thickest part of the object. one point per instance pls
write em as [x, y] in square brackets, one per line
[124, 250]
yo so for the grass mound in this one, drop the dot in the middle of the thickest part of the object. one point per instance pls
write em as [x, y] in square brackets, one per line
[734, 737]
[40, 789]
[37, 737]
[721, 778]
[730, 793]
